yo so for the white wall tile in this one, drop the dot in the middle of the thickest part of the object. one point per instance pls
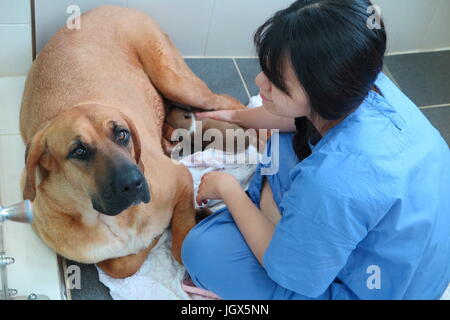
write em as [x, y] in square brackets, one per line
[15, 11]
[438, 33]
[11, 91]
[407, 22]
[16, 50]
[52, 15]
[234, 23]
[225, 27]
[35, 269]
[12, 162]
[186, 22]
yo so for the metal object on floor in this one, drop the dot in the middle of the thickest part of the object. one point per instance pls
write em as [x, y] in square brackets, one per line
[19, 212]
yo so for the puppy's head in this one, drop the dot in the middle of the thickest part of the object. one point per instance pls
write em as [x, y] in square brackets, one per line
[181, 119]
[91, 151]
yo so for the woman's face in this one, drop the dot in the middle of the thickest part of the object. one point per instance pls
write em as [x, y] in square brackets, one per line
[277, 102]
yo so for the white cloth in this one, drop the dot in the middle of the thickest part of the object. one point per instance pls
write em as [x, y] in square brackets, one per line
[446, 295]
[159, 278]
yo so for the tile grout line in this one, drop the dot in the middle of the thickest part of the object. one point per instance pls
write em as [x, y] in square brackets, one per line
[9, 134]
[213, 9]
[65, 281]
[435, 106]
[18, 24]
[220, 57]
[242, 79]
[399, 53]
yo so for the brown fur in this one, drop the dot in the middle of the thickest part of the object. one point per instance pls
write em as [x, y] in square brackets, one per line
[115, 68]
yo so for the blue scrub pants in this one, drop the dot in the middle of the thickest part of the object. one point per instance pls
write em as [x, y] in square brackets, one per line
[216, 255]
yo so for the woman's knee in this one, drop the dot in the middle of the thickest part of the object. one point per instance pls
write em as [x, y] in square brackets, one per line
[197, 248]
[190, 249]
[203, 247]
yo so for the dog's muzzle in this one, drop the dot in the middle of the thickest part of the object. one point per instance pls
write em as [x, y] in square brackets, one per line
[125, 187]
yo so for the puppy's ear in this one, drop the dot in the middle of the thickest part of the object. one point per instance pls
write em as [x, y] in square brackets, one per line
[136, 142]
[33, 156]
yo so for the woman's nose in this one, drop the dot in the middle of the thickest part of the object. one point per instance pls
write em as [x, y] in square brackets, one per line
[262, 82]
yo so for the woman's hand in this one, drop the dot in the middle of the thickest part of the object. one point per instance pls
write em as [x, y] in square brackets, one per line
[212, 184]
[220, 115]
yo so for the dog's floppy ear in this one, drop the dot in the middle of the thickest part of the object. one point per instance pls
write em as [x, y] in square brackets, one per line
[33, 155]
[136, 142]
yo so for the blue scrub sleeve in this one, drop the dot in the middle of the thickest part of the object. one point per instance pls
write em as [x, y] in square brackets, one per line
[322, 222]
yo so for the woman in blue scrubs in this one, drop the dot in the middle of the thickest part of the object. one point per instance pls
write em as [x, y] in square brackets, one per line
[358, 205]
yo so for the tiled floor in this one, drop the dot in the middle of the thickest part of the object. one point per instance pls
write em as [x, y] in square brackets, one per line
[424, 77]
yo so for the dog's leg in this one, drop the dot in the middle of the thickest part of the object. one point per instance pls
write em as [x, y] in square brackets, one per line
[174, 79]
[183, 219]
[166, 140]
[124, 267]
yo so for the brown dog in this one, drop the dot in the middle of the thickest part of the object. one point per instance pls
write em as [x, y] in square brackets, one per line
[92, 117]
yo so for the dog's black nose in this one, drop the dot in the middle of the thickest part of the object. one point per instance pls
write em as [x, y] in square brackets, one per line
[128, 183]
[125, 186]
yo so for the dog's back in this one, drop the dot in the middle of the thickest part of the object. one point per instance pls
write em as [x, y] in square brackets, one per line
[96, 64]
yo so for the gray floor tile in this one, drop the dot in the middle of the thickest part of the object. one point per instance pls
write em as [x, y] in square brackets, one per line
[249, 69]
[91, 287]
[424, 77]
[220, 75]
[440, 118]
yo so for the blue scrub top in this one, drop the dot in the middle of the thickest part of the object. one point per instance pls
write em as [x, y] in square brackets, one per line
[367, 215]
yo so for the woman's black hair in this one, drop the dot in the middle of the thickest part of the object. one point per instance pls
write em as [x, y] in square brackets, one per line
[335, 54]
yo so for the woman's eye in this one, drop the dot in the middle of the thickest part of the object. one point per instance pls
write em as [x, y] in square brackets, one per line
[187, 115]
[122, 136]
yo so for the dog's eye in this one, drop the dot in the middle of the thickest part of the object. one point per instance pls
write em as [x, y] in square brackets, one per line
[187, 116]
[122, 136]
[79, 153]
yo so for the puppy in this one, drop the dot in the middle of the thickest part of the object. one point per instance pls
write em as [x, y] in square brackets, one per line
[222, 135]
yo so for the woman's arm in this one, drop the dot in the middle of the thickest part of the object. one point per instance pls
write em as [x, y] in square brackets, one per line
[256, 228]
[255, 118]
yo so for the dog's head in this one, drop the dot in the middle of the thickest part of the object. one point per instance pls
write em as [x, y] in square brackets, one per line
[92, 151]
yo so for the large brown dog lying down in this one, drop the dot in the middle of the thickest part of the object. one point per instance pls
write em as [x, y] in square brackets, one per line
[92, 117]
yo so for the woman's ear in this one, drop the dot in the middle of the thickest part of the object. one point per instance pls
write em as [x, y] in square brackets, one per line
[136, 142]
[33, 155]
